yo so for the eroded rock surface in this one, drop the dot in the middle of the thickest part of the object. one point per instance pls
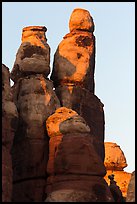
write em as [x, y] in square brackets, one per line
[115, 162]
[131, 189]
[71, 146]
[9, 124]
[35, 101]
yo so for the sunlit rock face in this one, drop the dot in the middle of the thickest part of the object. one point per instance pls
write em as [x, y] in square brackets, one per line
[33, 55]
[75, 170]
[131, 189]
[74, 60]
[73, 75]
[36, 101]
[115, 162]
[81, 19]
[9, 123]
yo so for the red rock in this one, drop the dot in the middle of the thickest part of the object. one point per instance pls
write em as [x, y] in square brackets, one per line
[29, 159]
[90, 108]
[9, 122]
[33, 55]
[29, 190]
[73, 162]
[81, 19]
[74, 61]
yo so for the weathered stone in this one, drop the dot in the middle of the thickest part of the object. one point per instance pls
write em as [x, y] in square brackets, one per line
[6, 89]
[66, 186]
[29, 159]
[6, 189]
[74, 60]
[131, 189]
[60, 115]
[31, 190]
[36, 101]
[69, 158]
[122, 178]
[114, 157]
[71, 146]
[33, 55]
[9, 122]
[81, 19]
[115, 162]
[88, 106]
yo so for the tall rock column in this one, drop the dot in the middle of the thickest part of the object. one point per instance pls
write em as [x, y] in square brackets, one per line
[9, 124]
[36, 101]
[73, 75]
[74, 168]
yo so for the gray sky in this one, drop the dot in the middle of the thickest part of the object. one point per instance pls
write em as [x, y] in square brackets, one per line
[115, 55]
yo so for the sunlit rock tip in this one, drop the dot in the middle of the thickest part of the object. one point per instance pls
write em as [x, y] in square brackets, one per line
[34, 28]
[81, 19]
[115, 158]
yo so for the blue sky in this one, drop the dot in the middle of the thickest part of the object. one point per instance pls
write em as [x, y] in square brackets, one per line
[115, 55]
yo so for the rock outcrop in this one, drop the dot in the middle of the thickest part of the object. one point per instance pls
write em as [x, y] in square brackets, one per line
[73, 75]
[9, 123]
[131, 189]
[35, 101]
[75, 170]
[115, 162]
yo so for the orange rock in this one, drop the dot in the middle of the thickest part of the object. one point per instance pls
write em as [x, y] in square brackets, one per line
[74, 60]
[115, 162]
[54, 121]
[114, 157]
[35, 35]
[81, 19]
[122, 178]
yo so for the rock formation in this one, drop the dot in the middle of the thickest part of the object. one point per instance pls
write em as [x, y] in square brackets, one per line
[115, 162]
[131, 189]
[73, 75]
[9, 123]
[35, 101]
[75, 169]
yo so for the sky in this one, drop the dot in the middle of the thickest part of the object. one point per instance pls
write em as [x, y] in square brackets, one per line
[115, 56]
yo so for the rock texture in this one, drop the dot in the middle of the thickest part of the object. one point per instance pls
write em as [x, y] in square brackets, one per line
[115, 162]
[9, 123]
[131, 189]
[73, 75]
[35, 101]
[75, 170]
[74, 60]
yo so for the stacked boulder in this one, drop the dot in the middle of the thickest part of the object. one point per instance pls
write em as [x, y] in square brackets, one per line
[74, 168]
[115, 162]
[9, 124]
[35, 101]
[73, 75]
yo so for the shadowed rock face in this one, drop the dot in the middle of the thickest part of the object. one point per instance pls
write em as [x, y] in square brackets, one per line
[35, 101]
[71, 146]
[9, 123]
[131, 189]
[115, 162]
[89, 107]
